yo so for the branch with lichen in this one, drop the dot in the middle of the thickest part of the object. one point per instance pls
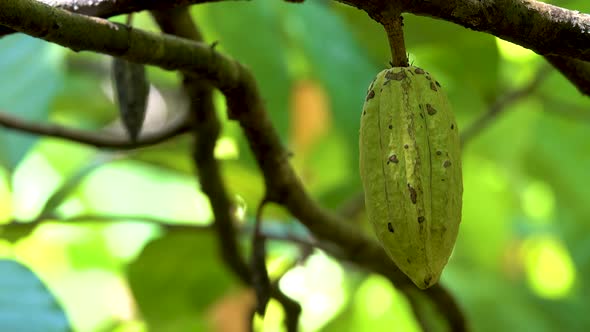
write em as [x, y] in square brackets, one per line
[557, 33]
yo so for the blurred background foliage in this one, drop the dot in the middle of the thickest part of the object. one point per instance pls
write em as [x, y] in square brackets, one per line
[521, 261]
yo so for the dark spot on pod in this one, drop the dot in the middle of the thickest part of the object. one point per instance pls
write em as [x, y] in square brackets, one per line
[437, 84]
[393, 159]
[419, 71]
[427, 280]
[438, 153]
[364, 112]
[370, 95]
[428, 77]
[390, 227]
[452, 126]
[390, 127]
[431, 110]
[422, 115]
[395, 76]
[413, 194]
[420, 106]
[408, 260]
[447, 163]
[443, 180]
[433, 86]
[405, 146]
[421, 219]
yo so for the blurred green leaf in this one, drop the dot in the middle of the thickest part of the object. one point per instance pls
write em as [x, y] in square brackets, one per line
[262, 52]
[33, 73]
[339, 62]
[26, 305]
[493, 303]
[177, 278]
[131, 187]
[251, 32]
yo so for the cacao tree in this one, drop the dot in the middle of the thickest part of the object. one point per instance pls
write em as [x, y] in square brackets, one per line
[196, 168]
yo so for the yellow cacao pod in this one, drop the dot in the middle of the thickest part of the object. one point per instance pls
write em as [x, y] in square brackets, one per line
[410, 166]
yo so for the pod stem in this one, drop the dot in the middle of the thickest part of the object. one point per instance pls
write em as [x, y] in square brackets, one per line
[393, 24]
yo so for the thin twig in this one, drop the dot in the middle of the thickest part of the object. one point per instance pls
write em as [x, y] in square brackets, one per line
[501, 104]
[25, 226]
[99, 140]
[260, 279]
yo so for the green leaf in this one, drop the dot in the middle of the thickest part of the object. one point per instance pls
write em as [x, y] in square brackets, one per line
[26, 305]
[32, 74]
[176, 278]
[495, 304]
[251, 33]
[335, 58]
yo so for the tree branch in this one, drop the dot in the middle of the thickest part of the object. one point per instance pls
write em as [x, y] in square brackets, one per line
[99, 140]
[24, 227]
[546, 29]
[541, 27]
[109, 8]
[576, 71]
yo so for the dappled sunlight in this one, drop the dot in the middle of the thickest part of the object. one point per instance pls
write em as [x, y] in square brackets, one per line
[377, 303]
[6, 249]
[45, 250]
[108, 299]
[273, 318]
[132, 326]
[226, 148]
[374, 297]
[513, 52]
[5, 197]
[318, 287]
[538, 202]
[126, 240]
[549, 267]
[484, 181]
[34, 180]
[134, 188]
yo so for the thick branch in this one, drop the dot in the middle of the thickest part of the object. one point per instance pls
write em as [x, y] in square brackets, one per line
[109, 8]
[541, 27]
[555, 32]
[559, 34]
[576, 71]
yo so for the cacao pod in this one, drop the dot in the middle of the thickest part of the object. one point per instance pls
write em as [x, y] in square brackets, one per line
[410, 166]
